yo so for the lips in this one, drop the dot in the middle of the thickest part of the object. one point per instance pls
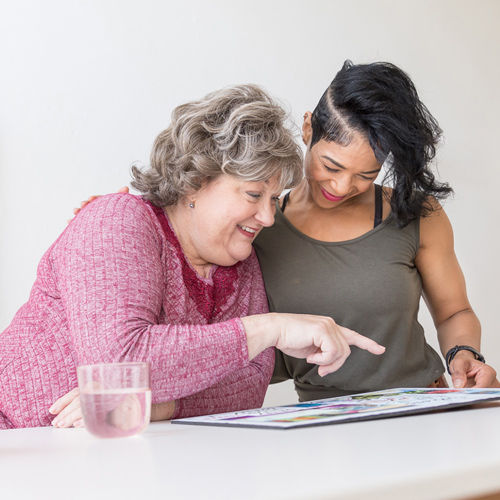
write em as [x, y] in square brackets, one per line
[331, 197]
[247, 231]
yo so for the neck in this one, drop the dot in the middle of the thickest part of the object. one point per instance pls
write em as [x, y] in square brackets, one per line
[302, 193]
[180, 217]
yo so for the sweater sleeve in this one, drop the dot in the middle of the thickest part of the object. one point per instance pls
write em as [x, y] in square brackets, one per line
[111, 280]
[241, 389]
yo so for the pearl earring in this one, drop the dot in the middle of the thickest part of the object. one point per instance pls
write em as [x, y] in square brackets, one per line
[191, 204]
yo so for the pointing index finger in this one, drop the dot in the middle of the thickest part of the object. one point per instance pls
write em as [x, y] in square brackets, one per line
[358, 340]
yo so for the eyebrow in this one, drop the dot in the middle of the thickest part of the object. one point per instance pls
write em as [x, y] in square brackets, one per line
[342, 166]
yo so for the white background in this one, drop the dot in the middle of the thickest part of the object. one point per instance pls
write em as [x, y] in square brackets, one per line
[85, 86]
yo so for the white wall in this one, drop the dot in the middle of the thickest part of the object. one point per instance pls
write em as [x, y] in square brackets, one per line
[86, 85]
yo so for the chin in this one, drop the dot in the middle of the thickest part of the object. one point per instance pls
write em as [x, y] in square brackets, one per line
[230, 260]
[227, 262]
[232, 255]
[240, 255]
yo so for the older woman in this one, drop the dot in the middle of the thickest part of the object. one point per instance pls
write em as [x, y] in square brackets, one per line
[170, 277]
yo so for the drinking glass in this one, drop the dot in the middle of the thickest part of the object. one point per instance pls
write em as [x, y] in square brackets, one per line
[115, 398]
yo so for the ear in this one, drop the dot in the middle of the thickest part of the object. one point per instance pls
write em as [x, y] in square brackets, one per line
[307, 128]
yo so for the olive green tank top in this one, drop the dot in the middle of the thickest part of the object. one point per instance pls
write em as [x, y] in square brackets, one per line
[369, 284]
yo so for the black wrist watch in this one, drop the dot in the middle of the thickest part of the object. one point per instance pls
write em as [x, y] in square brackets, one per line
[453, 351]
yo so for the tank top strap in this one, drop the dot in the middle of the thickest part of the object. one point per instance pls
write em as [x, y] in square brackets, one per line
[378, 205]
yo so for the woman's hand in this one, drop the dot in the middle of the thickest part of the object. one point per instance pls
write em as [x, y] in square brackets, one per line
[69, 413]
[83, 204]
[466, 371]
[162, 411]
[68, 410]
[317, 338]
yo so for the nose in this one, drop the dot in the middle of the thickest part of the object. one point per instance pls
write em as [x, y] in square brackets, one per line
[265, 214]
[341, 185]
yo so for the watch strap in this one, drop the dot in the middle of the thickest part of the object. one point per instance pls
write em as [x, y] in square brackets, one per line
[453, 351]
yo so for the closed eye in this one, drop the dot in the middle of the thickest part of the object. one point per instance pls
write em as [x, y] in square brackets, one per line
[254, 195]
[361, 176]
[258, 196]
[331, 169]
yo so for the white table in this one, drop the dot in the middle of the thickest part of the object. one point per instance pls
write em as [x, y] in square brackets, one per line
[446, 455]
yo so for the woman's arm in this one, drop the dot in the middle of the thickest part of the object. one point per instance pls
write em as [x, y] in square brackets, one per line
[245, 388]
[111, 279]
[445, 294]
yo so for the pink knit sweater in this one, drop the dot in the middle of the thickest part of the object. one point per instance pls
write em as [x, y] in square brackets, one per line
[115, 286]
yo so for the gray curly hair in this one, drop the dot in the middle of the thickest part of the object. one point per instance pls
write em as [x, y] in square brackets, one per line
[238, 131]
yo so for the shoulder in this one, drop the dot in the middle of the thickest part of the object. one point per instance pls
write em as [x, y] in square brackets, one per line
[115, 214]
[117, 209]
[115, 203]
[435, 227]
[435, 216]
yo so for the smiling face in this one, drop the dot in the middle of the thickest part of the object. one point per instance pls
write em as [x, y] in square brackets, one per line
[228, 214]
[336, 173]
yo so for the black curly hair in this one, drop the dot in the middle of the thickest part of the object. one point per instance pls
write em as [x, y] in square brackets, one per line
[380, 101]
